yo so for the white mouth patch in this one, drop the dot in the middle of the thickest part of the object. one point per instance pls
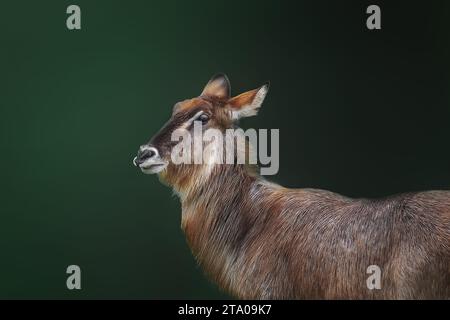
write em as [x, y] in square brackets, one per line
[152, 167]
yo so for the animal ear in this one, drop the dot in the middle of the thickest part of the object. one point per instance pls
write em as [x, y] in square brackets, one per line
[248, 103]
[218, 87]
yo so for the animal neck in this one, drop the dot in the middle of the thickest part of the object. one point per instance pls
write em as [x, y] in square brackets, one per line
[217, 212]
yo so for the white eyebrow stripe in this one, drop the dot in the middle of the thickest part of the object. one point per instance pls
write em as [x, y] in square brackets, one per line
[192, 119]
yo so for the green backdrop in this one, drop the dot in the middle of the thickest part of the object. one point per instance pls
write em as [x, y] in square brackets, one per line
[363, 113]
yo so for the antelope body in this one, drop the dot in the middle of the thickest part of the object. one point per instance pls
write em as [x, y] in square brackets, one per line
[259, 240]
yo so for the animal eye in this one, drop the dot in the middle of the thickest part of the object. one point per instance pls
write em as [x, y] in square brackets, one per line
[203, 118]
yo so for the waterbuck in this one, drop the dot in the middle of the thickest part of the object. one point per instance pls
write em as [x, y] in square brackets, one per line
[259, 240]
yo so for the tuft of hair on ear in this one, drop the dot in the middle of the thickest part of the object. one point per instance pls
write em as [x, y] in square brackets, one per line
[218, 87]
[247, 104]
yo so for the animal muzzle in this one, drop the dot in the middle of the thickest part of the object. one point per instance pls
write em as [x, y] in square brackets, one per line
[149, 160]
[144, 154]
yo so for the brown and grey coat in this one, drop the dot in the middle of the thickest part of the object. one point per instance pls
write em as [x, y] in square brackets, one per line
[258, 240]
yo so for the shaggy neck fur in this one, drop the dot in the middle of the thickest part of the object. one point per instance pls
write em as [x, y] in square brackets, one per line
[258, 240]
[217, 214]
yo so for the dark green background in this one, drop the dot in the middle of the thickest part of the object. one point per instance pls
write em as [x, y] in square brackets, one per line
[364, 113]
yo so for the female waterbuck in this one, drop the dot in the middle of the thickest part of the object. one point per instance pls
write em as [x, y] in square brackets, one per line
[256, 239]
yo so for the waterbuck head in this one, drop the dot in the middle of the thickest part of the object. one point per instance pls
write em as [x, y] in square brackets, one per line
[213, 109]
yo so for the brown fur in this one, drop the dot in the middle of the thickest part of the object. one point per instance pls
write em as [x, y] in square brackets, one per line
[258, 240]
[243, 99]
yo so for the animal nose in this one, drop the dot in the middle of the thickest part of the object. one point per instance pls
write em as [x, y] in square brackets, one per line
[145, 153]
